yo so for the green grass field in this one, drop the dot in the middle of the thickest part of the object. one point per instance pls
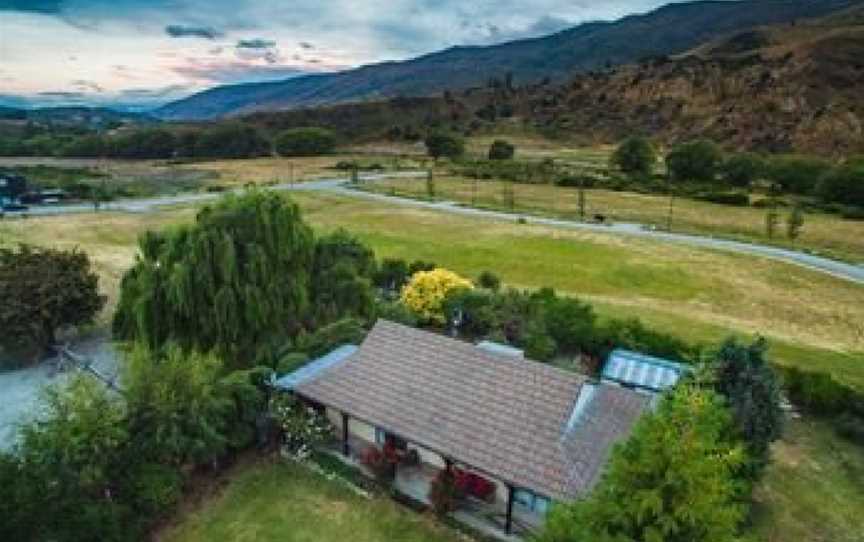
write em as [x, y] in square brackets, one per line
[812, 320]
[814, 489]
[285, 502]
[822, 233]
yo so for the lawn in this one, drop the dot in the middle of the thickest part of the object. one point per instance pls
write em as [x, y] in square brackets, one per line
[823, 233]
[813, 490]
[281, 501]
[813, 320]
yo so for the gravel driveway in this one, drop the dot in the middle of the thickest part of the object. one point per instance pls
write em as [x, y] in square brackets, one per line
[20, 390]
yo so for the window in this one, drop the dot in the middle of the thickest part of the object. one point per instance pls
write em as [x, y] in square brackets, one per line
[531, 502]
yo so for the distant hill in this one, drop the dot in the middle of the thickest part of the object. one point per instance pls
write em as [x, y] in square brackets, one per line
[777, 88]
[670, 29]
[783, 87]
[92, 117]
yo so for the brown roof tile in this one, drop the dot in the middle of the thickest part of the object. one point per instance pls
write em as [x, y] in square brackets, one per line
[500, 414]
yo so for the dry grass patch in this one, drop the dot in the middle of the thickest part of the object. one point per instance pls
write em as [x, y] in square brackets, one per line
[822, 232]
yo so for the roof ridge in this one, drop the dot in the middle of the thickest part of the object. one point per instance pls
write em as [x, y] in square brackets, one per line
[491, 356]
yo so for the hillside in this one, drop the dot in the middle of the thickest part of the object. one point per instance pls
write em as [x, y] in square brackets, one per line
[779, 88]
[670, 29]
[774, 88]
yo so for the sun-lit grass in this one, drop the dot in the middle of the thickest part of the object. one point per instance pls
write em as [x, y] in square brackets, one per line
[813, 490]
[824, 233]
[813, 320]
[281, 501]
[284, 170]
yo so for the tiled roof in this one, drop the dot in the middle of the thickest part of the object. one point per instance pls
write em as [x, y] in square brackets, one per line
[514, 419]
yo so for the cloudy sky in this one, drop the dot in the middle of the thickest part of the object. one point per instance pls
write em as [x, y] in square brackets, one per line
[139, 53]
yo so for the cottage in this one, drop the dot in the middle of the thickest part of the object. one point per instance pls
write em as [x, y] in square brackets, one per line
[535, 433]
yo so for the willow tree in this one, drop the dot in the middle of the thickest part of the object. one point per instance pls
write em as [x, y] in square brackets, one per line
[236, 281]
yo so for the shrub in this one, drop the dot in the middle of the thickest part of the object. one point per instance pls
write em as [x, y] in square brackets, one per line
[673, 479]
[42, 290]
[444, 494]
[305, 142]
[694, 161]
[472, 309]
[377, 462]
[395, 311]
[635, 156]
[632, 334]
[302, 427]
[426, 291]
[796, 174]
[489, 281]
[744, 377]
[742, 169]
[326, 338]
[156, 488]
[440, 145]
[844, 185]
[232, 140]
[290, 362]
[819, 393]
[539, 346]
[392, 274]
[501, 150]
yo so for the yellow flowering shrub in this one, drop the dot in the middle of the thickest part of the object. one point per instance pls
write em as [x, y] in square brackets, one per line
[425, 292]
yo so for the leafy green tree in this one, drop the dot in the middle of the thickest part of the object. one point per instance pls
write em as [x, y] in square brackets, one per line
[797, 174]
[42, 290]
[673, 480]
[305, 142]
[489, 281]
[795, 223]
[70, 460]
[392, 274]
[143, 143]
[342, 275]
[440, 144]
[742, 169]
[228, 140]
[844, 185]
[237, 280]
[570, 323]
[326, 338]
[472, 309]
[182, 407]
[87, 146]
[635, 156]
[743, 375]
[694, 161]
[501, 150]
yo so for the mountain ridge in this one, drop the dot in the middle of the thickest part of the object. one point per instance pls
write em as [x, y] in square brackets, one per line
[670, 29]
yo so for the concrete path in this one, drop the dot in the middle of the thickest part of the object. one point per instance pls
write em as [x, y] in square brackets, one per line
[20, 389]
[846, 271]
